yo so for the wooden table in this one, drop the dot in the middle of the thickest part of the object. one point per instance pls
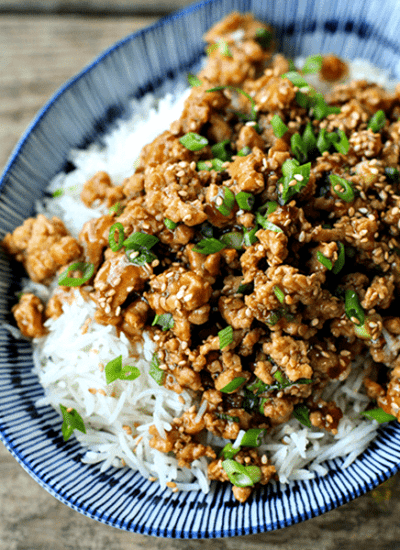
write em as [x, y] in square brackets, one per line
[39, 53]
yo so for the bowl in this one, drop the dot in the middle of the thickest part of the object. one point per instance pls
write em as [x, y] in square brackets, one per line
[157, 59]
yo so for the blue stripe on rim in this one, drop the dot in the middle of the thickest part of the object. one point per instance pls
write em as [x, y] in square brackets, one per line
[123, 498]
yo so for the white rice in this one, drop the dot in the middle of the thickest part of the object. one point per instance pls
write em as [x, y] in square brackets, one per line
[70, 361]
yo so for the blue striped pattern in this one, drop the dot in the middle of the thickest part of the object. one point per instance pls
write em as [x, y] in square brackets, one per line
[155, 59]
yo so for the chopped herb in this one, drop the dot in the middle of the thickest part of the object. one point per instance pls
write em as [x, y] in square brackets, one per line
[208, 246]
[165, 320]
[221, 150]
[269, 208]
[233, 239]
[279, 294]
[225, 337]
[169, 224]
[114, 371]
[362, 331]
[377, 122]
[302, 414]
[245, 200]
[155, 372]
[72, 421]
[312, 64]
[326, 262]
[239, 475]
[244, 151]
[116, 245]
[85, 268]
[342, 187]
[295, 178]
[278, 126]
[193, 141]
[263, 37]
[379, 415]
[58, 193]
[194, 81]
[279, 376]
[341, 258]
[353, 307]
[249, 237]
[228, 201]
[229, 451]
[252, 438]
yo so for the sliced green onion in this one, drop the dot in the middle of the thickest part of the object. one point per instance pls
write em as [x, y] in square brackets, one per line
[377, 122]
[225, 337]
[265, 224]
[343, 145]
[392, 174]
[155, 372]
[229, 451]
[228, 201]
[263, 400]
[279, 376]
[211, 164]
[58, 193]
[249, 237]
[194, 81]
[139, 239]
[227, 417]
[263, 37]
[320, 109]
[303, 100]
[224, 48]
[274, 317]
[244, 151]
[296, 79]
[252, 438]
[341, 258]
[208, 246]
[302, 414]
[221, 150]
[245, 200]
[245, 288]
[165, 320]
[353, 307]
[278, 126]
[193, 141]
[116, 208]
[312, 64]
[169, 224]
[114, 371]
[325, 140]
[85, 268]
[347, 193]
[72, 421]
[240, 91]
[233, 239]
[269, 208]
[362, 331]
[239, 475]
[380, 415]
[299, 148]
[116, 245]
[309, 139]
[290, 169]
[326, 262]
[279, 294]
[233, 384]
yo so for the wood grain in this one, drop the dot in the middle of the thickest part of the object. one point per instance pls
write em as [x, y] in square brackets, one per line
[37, 56]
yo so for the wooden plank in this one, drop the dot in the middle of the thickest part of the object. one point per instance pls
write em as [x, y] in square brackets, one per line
[52, 50]
[120, 7]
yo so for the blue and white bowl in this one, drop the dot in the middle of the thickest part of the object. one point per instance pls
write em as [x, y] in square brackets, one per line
[155, 59]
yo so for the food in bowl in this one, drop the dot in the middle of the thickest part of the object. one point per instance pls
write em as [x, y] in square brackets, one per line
[227, 312]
